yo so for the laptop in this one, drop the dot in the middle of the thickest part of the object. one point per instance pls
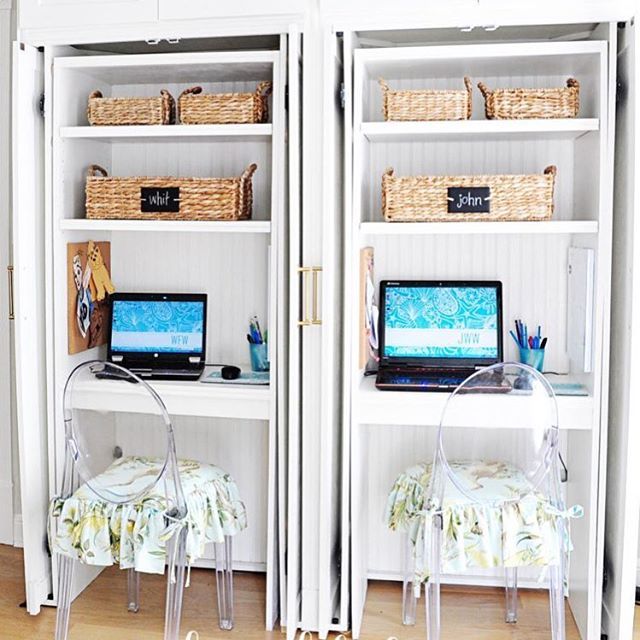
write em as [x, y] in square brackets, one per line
[161, 336]
[435, 334]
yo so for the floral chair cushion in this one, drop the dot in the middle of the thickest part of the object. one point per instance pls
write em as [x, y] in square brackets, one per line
[98, 532]
[509, 524]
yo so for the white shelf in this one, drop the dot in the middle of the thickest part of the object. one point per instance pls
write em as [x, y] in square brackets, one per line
[188, 226]
[478, 130]
[180, 398]
[475, 228]
[425, 408]
[208, 133]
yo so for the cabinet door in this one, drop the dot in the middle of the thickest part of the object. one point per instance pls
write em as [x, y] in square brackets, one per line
[43, 14]
[623, 474]
[191, 9]
[291, 539]
[29, 287]
[333, 539]
[6, 475]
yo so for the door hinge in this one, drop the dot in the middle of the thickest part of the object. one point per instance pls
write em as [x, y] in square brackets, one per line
[342, 96]
[11, 306]
[621, 91]
[41, 104]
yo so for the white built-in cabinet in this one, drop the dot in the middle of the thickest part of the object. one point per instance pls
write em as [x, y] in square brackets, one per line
[315, 453]
[386, 432]
[242, 266]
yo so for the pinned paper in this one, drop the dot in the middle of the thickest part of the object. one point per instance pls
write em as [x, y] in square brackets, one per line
[88, 284]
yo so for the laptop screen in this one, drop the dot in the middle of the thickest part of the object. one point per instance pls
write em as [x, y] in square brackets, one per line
[158, 324]
[450, 322]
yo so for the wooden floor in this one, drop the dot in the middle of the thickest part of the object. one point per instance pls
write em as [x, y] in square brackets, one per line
[636, 624]
[100, 612]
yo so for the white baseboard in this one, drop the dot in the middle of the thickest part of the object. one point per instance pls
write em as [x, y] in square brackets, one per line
[17, 530]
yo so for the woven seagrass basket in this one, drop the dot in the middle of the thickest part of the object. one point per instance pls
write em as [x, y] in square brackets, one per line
[518, 104]
[427, 104]
[425, 198]
[131, 111]
[189, 198]
[195, 107]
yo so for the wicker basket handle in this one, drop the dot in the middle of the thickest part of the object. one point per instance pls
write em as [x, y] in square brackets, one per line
[264, 88]
[383, 83]
[551, 170]
[484, 90]
[573, 83]
[249, 171]
[96, 170]
[194, 90]
[95, 94]
[172, 105]
[388, 172]
[467, 83]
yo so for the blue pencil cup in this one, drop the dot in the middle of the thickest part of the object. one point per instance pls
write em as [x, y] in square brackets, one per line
[259, 356]
[533, 357]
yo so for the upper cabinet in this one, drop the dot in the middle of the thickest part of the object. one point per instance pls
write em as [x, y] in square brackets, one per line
[190, 9]
[44, 14]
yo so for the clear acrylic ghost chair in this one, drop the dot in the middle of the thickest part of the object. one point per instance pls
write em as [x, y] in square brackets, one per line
[515, 403]
[89, 451]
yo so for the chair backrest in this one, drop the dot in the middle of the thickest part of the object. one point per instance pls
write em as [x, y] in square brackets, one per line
[97, 397]
[500, 426]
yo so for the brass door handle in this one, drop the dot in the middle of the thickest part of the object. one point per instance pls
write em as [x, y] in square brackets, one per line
[313, 273]
[10, 292]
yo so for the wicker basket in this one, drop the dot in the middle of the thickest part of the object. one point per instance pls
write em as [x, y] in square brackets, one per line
[130, 111]
[517, 104]
[224, 108]
[425, 198]
[193, 198]
[427, 104]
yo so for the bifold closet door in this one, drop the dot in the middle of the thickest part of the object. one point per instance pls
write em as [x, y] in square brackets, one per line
[320, 320]
[334, 537]
[623, 478]
[6, 310]
[291, 495]
[30, 282]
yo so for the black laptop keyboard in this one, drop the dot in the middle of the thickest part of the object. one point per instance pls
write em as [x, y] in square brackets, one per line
[418, 382]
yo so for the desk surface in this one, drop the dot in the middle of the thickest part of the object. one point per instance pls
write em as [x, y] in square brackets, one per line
[425, 408]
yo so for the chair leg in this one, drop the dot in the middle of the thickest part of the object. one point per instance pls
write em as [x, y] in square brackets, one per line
[433, 585]
[556, 598]
[133, 591]
[556, 586]
[408, 597]
[224, 583]
[511, 593]
[65, 580]
[175, 584]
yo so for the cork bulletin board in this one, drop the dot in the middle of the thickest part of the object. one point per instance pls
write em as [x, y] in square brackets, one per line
[88, 288]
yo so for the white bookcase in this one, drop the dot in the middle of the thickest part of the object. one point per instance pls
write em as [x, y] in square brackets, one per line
[240, 265]
[388, 431]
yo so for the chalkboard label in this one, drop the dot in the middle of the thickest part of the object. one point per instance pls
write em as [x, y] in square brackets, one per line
[468, 199]
[160, 199]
